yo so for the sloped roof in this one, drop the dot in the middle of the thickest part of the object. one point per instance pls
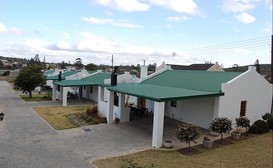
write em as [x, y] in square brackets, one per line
[97, 79]
[178, 84]
[199, 67]
[196, 80]
[47, 72]
[64, 74]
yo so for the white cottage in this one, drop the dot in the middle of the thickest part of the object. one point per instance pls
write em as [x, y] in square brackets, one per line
[196, 97]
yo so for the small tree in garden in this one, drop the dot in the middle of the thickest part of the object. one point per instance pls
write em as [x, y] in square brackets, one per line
[221, 125]
[243, 122]
[187, 133]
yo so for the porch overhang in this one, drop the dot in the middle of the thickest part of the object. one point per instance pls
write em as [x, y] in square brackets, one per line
[161, 93]
[71, 83]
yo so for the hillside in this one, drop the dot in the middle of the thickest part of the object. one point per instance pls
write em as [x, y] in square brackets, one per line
[265, 70]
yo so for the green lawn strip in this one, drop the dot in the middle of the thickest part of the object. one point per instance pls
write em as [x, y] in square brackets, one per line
[35, 97]
[250, 153]
[60, 117]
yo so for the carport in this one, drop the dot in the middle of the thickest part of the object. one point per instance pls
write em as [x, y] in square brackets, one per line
[157, 93]
[64, 88]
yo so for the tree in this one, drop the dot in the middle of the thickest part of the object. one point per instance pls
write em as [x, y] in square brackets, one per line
[6, 73]
[29, 78]
[1, 64]
[78, 64]
[243, 122]
[258, 67]
[91, 67]
[221, 125]
[187, 133]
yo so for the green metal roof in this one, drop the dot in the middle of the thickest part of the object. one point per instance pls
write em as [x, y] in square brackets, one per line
[69, 73]
[64, 74]
[160, 93]
[195, 80]
[47, 72]
[97, 79]
[69, 83]
[178, 84]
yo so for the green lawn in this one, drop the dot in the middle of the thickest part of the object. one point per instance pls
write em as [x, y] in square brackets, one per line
[36, 97]
[250, 153]
[60, 117]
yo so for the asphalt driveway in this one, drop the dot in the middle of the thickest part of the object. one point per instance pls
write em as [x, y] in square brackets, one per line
[27, 141]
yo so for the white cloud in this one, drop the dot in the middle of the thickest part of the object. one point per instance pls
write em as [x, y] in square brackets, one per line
[238, 5]
[3, 28]
[183, 6]
[66, 35]
[245, 18]
[124, 5]
[118, 23]
[269, 3]
[12, 30]
[178, 18]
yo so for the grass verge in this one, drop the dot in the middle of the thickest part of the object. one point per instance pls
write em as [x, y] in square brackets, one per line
[250, 153]
[67, 117]
[36, 97]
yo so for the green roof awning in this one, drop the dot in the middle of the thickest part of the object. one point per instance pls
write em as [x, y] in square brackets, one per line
[69, 83]
[161, 93]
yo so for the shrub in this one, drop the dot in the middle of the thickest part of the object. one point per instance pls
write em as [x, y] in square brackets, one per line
[187, 133]
[266, 116]
[270, 122]
[243, 122]
[6, 73]
[92, 110]
[221, 125]
[259, 127]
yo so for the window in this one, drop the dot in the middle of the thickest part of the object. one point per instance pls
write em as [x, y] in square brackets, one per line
[173, 103]
[243, 109]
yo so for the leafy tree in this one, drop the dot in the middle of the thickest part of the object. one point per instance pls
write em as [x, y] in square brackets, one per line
[221, 125]
[29, 78]
[78, 64]
[1, 64]
[6, 73]
[243, 122]
[91, 67]
[258, 67]
[187, 133]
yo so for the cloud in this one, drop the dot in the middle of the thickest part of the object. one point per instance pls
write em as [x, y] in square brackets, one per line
[183, 6]
[178, 18]
[12, 30]
[118, 23]
[124, 5]
[3, 28]
[245, 18]
[269, 3]
[238, 5]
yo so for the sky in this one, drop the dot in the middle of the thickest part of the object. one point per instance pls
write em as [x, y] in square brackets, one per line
[172, 31]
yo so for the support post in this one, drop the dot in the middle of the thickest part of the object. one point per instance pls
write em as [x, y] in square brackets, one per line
[158, 124]
[110, 107]
[54, 90]
[64, 96]
[124, 114]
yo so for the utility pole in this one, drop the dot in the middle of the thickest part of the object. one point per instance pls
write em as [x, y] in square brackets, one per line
[112, 62]
[272, 70]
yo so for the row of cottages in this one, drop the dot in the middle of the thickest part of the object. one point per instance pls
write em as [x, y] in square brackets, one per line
[195, 97]
[189, 96]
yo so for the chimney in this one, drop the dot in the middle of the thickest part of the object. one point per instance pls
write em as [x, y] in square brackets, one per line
[252, 68]
[60, 76]
[143, 71]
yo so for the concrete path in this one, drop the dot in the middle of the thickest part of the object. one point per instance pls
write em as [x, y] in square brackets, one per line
[27, 141]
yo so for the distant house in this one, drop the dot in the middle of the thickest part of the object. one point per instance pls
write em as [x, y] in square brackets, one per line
[194, 96]
[197, 67]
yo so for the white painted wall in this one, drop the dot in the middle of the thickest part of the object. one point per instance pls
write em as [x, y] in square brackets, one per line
[251, 87]
[196, 111]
